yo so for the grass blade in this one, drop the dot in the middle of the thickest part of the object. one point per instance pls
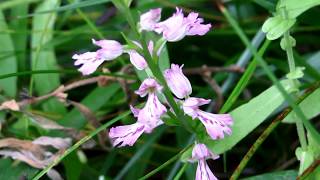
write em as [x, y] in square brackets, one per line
[80, 142]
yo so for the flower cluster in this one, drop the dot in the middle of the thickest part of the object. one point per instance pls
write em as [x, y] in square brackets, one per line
[149, 117]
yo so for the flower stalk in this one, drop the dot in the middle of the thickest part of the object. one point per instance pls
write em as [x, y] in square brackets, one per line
[292, 69]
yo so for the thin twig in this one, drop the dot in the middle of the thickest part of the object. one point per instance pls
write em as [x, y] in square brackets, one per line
[212, 69]
[206, 75]
[309, 170]
[68, 87]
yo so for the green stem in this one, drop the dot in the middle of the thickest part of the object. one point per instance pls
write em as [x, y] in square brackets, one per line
[171, 160]
[292, 69]
[179, 174]
[271, 76]
[152, 63]
[256, 145]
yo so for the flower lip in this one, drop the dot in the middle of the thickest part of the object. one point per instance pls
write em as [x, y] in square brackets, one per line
[148, 85]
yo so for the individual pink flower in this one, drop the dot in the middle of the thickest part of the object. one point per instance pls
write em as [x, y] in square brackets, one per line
[201, 153]
[126, 135]
[110, 49]
[148, 86]
[137, 60]
[90, 61]
[216, 124]
[177, 26]
[177, 81]
[149, 19]
[148, 117]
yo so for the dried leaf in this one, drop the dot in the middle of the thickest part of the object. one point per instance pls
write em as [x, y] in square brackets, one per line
[31, 153]
[54, 175]
[11, 105]
[46, 123]
[92, 120]
[27, 157]
[56, 142]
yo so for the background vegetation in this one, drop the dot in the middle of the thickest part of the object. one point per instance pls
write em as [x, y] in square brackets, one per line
[38, 39]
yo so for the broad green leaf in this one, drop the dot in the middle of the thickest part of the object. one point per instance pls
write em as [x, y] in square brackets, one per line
[42, 59]
[276, 26]
[72, 6]
[280, 175]
[8, 64]
[15, 3]
[20, 39]
[297, 7]
[248, 116]
[73, 166]
[310, 107]
[94, 101]
[285, 16]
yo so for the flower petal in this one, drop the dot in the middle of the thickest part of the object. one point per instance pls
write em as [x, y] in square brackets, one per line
[204, 172]
[149, 19]
[216, 124]
[147, 86]
[126, 135]
[177, 81]
[137, 60]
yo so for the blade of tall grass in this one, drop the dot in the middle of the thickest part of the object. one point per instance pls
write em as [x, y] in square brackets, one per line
[80, 142]
[244, 80]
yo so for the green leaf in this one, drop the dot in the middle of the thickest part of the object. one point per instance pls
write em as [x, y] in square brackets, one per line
[186, 155]
[14, 171]
[140, 152]
[280, 175]
[285, 16]
[94, 101]
[72, 6]
[14, 3]
[310, 107]
[73, 166]
[248, 116]
[276, 26]
[7, 64]
[305, 157]
[297, 7]
[20, 39]
[43, 59]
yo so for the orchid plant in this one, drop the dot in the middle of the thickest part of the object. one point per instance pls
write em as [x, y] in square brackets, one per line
[149, 117]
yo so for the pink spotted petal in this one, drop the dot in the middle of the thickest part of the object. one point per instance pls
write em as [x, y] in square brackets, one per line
[216, 124]
[204, 172]
[126, 135]
[147, 86]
